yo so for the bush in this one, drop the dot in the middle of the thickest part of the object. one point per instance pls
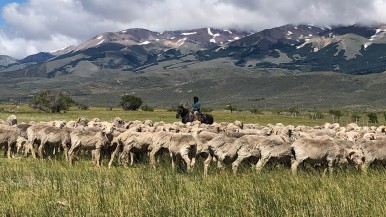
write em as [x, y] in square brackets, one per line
[336, 114]
[130, 102]
[355, 117]
[294, 111]
[373, 118]
[255, 111]
[51, 101]
[206, 109]
[83, 107]
[172, 109]
[231, 107]
[147, 108]
[384, 115]
[316, 115]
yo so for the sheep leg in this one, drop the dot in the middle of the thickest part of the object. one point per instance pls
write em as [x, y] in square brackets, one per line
[188, 162]
[71, 152]
[330, 165]
[40, 149]
[294, 166]
[114, 154]
[173, 164]
[220, 164]
[132, 156]
[152, 156]
[66, 149]
[206, 164]
[237, 162]
[261, 163]
[9, 150]
[193, 162]
[97, 154]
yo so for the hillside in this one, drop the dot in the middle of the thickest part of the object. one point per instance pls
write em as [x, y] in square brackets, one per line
[291, 65]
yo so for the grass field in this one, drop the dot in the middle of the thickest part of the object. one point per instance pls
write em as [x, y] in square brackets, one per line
[25, 114]
[53, 188]
[31, 187]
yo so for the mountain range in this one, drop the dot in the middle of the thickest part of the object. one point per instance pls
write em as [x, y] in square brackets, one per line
[173, 65]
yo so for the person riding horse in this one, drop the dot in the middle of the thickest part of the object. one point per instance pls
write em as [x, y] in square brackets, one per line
[196, 108]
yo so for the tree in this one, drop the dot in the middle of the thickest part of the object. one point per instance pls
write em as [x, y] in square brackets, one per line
[294, 111]
[373, 118]
[384, 115]
[130, 102]
[336, 114]
[355, 117]
[52, 101]
[230, 107]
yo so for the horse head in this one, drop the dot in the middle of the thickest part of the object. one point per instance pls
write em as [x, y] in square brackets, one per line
[181, 111]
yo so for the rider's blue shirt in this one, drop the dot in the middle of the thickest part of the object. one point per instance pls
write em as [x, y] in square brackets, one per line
[196, 106]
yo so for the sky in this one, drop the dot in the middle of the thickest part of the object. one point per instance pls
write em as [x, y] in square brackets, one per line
[31, 26]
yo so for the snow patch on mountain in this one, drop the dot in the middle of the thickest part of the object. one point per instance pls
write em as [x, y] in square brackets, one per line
[100, 42]
[181, 41]
[210, 32]
[188, 33]
[144, 43]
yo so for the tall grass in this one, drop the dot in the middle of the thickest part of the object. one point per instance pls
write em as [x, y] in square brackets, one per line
[53, 188]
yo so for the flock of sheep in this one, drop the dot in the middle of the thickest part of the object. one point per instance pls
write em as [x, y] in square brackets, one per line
[328, 145]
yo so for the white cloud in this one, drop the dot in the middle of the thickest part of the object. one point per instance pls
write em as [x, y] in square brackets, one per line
[43, 25]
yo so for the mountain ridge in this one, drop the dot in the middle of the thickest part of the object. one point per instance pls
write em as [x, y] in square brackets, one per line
[293, 63]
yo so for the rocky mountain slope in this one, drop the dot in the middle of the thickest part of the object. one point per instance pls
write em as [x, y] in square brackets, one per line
[213, 62]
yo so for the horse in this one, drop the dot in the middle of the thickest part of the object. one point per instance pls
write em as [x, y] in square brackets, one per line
[186, 116]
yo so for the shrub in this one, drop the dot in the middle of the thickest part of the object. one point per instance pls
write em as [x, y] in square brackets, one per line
[294, 111]
[336, 114]
[384, 115]
[172, 109]
[83, 107]
[130, 102]
[255, 111]
[373, 118]
[316, 115]
[206, 109]
[147, 108]
[231, 107]
[51, 101]
[355, 117]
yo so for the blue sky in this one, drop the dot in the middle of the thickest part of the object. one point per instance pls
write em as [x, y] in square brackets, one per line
[32, 26]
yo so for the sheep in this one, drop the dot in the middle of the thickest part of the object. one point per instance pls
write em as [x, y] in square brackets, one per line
[264, 148]
[33, 138]
[11, 120]
[54, 137]
[133, 141]
[320, 149]
[8, 138]
[89, 140]
[222, 148]
[202, 137]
